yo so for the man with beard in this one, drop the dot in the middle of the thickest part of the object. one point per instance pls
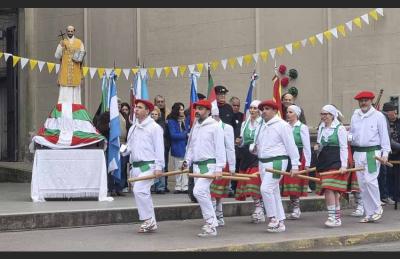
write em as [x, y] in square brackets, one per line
[369, 138]
[206, 151]
[71, 52]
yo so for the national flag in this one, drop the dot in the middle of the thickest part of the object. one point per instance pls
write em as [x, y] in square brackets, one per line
[210, 82]
[249, 97]
[193, 95]
[113, 158]
[145, 92]
[277, 93]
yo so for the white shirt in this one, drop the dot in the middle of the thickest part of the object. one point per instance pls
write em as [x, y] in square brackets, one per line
[229, 140]
[305, 139]
[146, 143]
[207, 142]
[370, 129]
[59, 49]
[325, 132]
[275, 138]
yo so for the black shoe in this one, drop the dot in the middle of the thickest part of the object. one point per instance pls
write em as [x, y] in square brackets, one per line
[186, 192]
[176, 192]
[160, 192]
[166, 190]
[113, 193]
[120, 194]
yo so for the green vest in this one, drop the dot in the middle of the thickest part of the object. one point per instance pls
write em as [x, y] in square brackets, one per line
[333, 140]
[248, 135]
[297, 136]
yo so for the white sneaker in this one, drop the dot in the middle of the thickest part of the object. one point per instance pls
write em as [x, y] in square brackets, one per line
[273, 223]
[378, 215]
[208, 231]
[126, 190]
[257, 217]
[149, 225]
[359, 212]
[278, 228]
[221, 222]
[332, 222]
[294, 215]
[388, 201]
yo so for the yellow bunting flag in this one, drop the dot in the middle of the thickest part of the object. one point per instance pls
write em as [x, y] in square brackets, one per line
[312, 39]
[118, 71]
[167, 71]
[32, 63]
[296, 44]
[373, 14]
[232, 62]
[15, 60]
[264, 55]
[151, 71]
[247, 59]
[280, 50]
[1, 54]
[135, 70]
[214, 65]
[357, 22]
[200, 67]
[342, 30]
[50, 66]
[100, 72]
[182, 70]
[85, 71]
[328, 35]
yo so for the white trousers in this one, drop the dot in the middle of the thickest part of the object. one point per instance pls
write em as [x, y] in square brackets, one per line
[201, 191]
[270, 191]
[368, 182]
[142, 193]
[181, 180]
[70, 94]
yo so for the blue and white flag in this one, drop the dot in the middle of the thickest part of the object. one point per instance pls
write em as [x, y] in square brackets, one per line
[145, 92]
[249, 97]
[114, 164]
[137, 86]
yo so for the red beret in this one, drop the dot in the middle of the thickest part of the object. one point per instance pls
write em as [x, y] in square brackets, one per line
[285, 81]
[364, 94]
[269, 103]
[204, 103]
[148, 104]
[282, 69]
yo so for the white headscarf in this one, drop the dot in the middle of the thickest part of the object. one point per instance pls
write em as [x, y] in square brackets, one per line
[255, 103]
[214, 110]
[332, 110]
[296, 109]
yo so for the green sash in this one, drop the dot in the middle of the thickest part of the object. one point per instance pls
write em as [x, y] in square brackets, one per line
[370, 156]
[143, 165]
[276, 164]
[203, 164]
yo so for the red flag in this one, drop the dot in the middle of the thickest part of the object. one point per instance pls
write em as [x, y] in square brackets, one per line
[277, 93]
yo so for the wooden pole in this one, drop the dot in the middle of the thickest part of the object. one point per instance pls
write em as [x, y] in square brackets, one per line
[394, 162]
[153, 176]
[222, 177]
[296, 175]
[306, 170]
[338, 171]
[383, 162]
[254, 175]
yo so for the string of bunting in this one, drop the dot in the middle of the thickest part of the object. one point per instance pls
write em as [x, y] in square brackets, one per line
[265, 55]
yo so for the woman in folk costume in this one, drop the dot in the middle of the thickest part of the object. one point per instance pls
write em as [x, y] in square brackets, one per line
[220, 188]
[332, 155]
[293, 186]
[249, 163]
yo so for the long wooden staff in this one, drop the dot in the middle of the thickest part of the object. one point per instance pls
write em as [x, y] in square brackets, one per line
[383, 162]
[306, 170]
[222, 177]
[153, 176]
[394, 162]
[338, 171]
[254, 175]
[296, 175]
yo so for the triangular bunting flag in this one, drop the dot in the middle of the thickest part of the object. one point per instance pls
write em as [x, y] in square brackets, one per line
[289, 47]
[320, 38]
[15, 60]
[158, 71]
[232, 62]
[304, 42]
[32, 63]
[272, 52]
[380, 11]
[117, 71]
[296, 44]
[85, 70]
[143, 72]
[100, 72]
[349, 25]
[255, 57]
[373, 14]
[135, 70]
[152, 70]
[167, 71]
[57, 68]
[92, 71]
[50, 66]
[175, 71]
[240, 60]
[313, 40]
[280, 50]
[6, 56]
[247, 59]
[1, 54]
[200, 67]
[108, 71]
[41, 65]
[334, 32]
[328, 35]
[24, 61]
[357, 21]
[126, 71]
[365, 18]
[191, 68]
[264, 55]
[224, 62]
[341, 29]
[214, 65]
[182, 70]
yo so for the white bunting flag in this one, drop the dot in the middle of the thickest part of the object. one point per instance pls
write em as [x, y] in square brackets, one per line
[57, 68]
[349, 25]
[143, 72]
[365, 18]
[126, 72]
[40, 65]
[191, 68]
[289, 47]
[320, 38]
[108, 71]
[224, 62]
[24, 61]
[304, 42]
[158, 71]
[334, 32]
[380, 11]
[240, 60]
[92, 71]
[6, 56]
[255, 57]
[272, 52]
[175, 70]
